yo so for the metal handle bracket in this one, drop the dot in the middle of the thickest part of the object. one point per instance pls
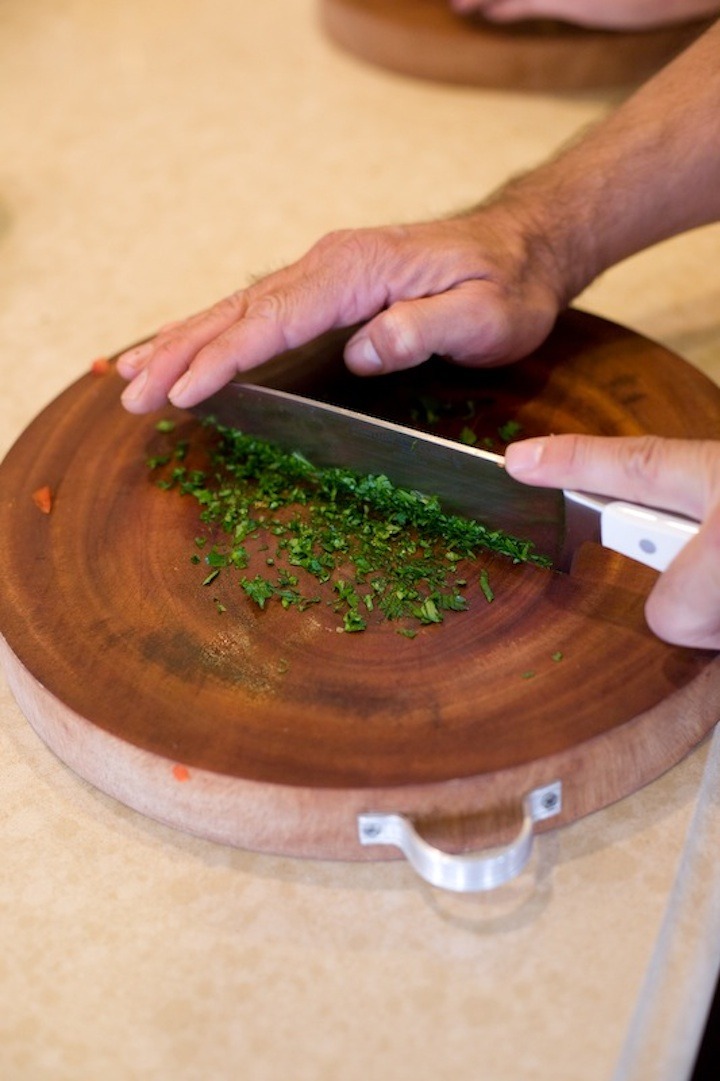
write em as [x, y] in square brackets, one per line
[463, 873]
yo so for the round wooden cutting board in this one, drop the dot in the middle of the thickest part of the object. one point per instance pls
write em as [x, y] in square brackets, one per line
[425, 39]
[269, 729]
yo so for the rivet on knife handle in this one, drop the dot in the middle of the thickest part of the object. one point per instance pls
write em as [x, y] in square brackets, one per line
[463, 873]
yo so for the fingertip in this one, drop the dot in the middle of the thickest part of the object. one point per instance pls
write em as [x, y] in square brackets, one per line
[131, 397]
[180, 393]
[523, 458]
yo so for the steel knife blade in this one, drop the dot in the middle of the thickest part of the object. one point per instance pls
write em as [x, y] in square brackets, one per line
[467, 480]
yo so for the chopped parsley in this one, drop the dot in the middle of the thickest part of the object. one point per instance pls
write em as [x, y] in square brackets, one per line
[366, 547]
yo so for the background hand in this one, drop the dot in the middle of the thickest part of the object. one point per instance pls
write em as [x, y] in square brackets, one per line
[610, 14]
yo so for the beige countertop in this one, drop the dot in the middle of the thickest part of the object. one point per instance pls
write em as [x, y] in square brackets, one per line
[153, 156]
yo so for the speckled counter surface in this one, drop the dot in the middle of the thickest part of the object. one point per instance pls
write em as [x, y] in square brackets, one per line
[153, 156]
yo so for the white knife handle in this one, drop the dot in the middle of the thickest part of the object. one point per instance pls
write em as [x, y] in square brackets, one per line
[649, 536]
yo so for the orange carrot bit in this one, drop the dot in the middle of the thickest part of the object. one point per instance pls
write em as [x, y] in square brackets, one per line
[181, 773]
[43, 498]
[101, 366]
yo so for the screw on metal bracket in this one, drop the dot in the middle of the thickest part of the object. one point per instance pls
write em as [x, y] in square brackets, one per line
[546, 801]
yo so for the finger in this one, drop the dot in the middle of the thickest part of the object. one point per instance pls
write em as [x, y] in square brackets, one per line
[270, 326]
[155, 366]
[470, 323]
[579, 12]
[684, 606]
[331, 285]
[283, 312]
[134, 359]
[502, 11]
[675, 474]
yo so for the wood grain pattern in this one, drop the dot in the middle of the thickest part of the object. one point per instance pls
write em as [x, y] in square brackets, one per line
[424, 39]
[286, 728]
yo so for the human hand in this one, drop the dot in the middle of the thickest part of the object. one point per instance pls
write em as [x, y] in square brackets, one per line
[473, 288]
[608, 14]
[674, 474]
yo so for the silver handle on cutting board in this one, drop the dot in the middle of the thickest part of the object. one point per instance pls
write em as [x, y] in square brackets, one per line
[467, 872]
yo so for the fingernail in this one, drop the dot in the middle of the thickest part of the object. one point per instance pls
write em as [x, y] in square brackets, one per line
[133, 390]
[365, 355]
[178, 389]
[523, 458]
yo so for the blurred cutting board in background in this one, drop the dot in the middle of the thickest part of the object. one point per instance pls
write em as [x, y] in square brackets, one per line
[269, 729]
[425, 39]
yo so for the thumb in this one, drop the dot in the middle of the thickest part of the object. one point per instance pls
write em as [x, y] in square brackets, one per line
[684, 605]
[468, 322]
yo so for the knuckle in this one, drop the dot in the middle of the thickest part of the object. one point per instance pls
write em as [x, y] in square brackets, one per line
[353, 249]
[230, 307]
[402, 339]
[267, 307]
[645, 457]
[273, 307]
[164, 346]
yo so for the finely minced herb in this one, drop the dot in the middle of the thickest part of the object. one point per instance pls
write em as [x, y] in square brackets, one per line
[378, 550]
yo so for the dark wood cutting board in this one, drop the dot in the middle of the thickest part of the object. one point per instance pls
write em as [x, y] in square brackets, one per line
[269, 729]
[425, 39]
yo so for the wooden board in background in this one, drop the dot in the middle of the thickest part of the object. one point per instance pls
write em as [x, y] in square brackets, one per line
[425, 39]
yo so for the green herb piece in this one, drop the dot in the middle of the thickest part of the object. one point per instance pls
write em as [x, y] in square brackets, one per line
[165, 426]
[353, 621]
[467, 436]
[429, 409]
[557, 656]
[428, 612]
[486, 587]
[509, 430]
[528, 675]
[158, 461]
[258, 589]
[216, 559]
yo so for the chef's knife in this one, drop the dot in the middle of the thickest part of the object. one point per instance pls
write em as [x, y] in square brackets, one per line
[466, 480]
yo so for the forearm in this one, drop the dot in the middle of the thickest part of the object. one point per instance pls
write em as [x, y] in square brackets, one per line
[647, 172]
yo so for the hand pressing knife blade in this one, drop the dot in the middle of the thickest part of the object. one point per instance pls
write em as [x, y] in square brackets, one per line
[466, 480]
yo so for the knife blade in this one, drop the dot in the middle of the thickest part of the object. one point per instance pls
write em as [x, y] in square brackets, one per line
[467, 480]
